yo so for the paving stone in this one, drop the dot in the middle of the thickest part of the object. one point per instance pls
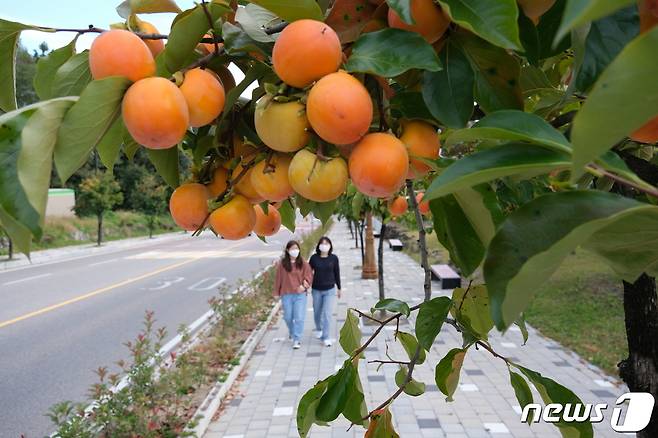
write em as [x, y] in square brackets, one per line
[485, 405]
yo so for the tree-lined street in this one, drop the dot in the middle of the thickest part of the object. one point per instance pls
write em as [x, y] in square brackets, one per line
[60, 321]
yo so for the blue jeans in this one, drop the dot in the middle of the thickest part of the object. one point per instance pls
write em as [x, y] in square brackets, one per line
[323, 307]
[294, 312]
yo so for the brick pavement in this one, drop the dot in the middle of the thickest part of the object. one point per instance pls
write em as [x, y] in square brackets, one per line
[484, 405]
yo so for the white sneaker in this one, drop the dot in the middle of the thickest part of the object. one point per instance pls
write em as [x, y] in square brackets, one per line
[296, 345]
[328, 343]
[318, 334]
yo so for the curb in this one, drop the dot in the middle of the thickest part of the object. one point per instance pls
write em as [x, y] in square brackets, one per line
[213, 401]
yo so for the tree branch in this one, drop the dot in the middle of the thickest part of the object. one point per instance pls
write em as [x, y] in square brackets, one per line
[204, 6]
[645, 188]
[413, 206]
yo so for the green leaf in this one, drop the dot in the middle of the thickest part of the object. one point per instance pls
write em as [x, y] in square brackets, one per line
[109, 147]
[413, 388]
[538, 39]
[497, 74]
[447, 372]
[410, 345]
[512, 159]
[381, 425]
[339, 389]
[186, 32]
[534, 240]
[391, 52]
[47, 68]
[472, 305]
[307, 407]
[524, 329]
[495, 21]
[130, 146]
[580, 12]
[238, 42]
[511, 125]
[324, 210]
[456, 234]
[350, 334]
[605, 40]
[392, 305]
[256, 72]
[410, 105]
[628, 83]
[522, 392]
[10, 32]
[287, 212]
[355, 408]
[291, 10]
[403, 9]
[21, 216]
[166, 163]
[448, 93]
[553, 392]
[35, 158]
[72, 77]
[254, 19]
[87, 122]
[129, 7]
[431, 316]
[482, 208]
[20, 236]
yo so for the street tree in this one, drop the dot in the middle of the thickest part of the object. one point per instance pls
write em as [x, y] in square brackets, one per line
[545, 112]
[150, 199]
[98, 194]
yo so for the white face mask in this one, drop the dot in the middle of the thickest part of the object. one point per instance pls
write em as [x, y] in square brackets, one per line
[293, 252]
[325, 247]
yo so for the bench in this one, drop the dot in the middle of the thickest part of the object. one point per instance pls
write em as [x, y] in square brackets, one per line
[395, 244]
[447, 276]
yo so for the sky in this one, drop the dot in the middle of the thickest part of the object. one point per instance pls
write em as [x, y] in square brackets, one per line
[79, 14]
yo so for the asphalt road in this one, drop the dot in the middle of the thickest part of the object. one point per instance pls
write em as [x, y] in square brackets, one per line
[61, 321]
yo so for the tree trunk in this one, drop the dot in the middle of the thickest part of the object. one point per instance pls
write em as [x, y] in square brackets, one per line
[380, 261]
[424, 261]
[99, 234]
[151, 222]
[640, 369]
[349, 224]
[369, 269]
[10, 249]
[363, 254]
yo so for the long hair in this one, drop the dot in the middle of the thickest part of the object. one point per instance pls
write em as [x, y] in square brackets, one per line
[324, 239]
[287, 263]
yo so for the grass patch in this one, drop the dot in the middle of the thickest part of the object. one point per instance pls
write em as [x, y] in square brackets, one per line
[66, 231]
[581, 306]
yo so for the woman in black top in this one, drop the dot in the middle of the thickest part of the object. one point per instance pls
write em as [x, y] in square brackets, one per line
[326, 286]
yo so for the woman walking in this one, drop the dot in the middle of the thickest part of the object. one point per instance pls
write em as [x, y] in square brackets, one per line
[292, 282]
[326, 286]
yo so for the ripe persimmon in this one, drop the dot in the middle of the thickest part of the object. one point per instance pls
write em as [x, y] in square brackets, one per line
[430, 20]
[270, 179]
[534, 9]
[188, 206]
[155, 113]
[207, 48]
[204, 95]
[398, 206]
[316, 179]
[421, 140]
[281, 126]
[244, 185]
[155, 46]
[339, 108]
[267, 224]
[423, 206]
[305, 51]
[219, 183]
[119, 52]
[379, 164]
[648, 133]
[234, 220]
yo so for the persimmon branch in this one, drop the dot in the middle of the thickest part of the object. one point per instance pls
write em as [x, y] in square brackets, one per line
[645, 188]
[413, 206]
[204, 6]
[398, 362]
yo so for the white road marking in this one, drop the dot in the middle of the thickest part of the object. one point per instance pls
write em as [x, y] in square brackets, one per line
[285, 411]
[102, 263]
[212, 283]
[226, 253]
[165, 283]
[34, 277]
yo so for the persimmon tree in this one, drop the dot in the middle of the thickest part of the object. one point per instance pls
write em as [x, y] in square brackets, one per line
[545, 112]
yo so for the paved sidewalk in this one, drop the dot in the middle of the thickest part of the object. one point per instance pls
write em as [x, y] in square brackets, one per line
[484, 406]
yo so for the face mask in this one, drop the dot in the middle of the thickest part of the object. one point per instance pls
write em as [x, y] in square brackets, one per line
[325, 247]
[293, 253]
